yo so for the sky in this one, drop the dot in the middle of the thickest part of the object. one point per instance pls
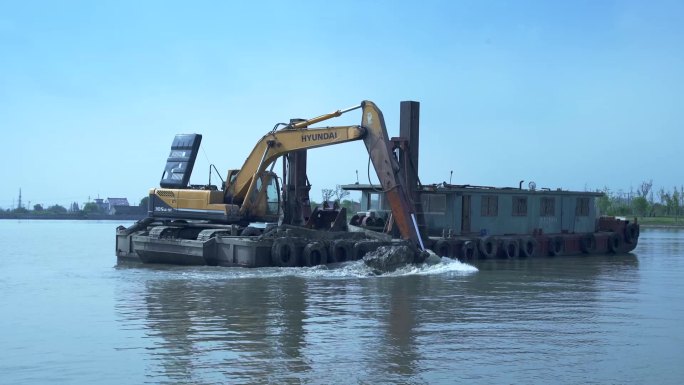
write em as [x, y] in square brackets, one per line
[570, 94]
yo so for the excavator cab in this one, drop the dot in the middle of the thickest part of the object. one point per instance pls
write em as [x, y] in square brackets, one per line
[265, 198]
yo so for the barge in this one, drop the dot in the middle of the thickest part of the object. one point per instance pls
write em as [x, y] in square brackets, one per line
[471, 222]
[251, 221]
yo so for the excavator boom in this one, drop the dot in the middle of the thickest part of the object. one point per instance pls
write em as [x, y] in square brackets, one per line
[277, 143]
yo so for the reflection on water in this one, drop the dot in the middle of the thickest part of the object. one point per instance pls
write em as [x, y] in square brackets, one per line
[244, 328]
[215, 324]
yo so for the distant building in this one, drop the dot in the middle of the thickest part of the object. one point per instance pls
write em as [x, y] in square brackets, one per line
[119, 205]
[102, 205]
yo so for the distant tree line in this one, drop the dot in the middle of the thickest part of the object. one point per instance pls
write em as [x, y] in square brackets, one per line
[39, 209]
[644, 202]
[59, 210]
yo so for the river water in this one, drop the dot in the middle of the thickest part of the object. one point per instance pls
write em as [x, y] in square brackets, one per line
[70, 315]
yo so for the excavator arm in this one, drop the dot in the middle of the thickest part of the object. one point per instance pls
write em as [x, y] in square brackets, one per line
[387, 168]
[298, 136]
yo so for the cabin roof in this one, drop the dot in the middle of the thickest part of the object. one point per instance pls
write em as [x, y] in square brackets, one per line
[445, 188]
[118, 201]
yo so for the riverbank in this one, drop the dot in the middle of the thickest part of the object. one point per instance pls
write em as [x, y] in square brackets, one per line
[72, 216]
[644, 222]
[661, 222]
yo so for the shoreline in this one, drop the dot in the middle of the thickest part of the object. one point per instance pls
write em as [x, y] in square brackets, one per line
[660, 226]
[74, 217]
[100, 217]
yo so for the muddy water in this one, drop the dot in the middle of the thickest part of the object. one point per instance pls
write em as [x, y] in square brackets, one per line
[69, 315]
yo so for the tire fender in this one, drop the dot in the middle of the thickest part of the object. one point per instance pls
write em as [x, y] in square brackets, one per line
[528, 246]
[315, 253]
[284, 252]
[631, 233]
[588, 243]
[614, 243]
[442, 248]
[487, 247]
[341, 250]
[556, 245]
[510, 248]
[469, 250]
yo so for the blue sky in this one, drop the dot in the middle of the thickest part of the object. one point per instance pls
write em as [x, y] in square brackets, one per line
[572, 94]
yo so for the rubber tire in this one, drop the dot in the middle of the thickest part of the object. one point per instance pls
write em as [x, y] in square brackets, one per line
[469, 250]
[442, 248]
[341, 250]
[556, 246]
[614, 243]
[250, 231]
[488, 247]
[631, 233]
[588, 243]
[510, 248]
[368, 221]
[527, 247]
[284, 252]
[315, 253]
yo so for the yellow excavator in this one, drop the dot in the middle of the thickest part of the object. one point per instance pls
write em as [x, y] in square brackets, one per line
[252, 193]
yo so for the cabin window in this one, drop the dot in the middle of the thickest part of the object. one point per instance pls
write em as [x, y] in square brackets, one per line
[272, 197]
[257, 186]
[373, 201]
[433, 203]
[582, 208]
[519, 206]
[547, 208]
[490, 206]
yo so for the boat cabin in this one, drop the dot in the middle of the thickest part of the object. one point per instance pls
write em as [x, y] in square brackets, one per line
[478, 210]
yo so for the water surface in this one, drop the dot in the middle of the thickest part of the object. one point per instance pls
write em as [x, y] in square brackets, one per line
[70, 315]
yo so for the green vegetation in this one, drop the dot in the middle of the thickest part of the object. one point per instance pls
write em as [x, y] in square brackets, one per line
[38, 210]
[668, 210]
[57, 209]
[91, 207]
[661, 221]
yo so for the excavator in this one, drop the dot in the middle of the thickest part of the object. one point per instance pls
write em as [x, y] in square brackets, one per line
[251, 194]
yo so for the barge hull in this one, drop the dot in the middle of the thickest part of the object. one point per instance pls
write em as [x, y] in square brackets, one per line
[214, 247]
[614, 236]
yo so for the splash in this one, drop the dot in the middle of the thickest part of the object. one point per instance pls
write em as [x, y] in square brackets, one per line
[344, 270]
[444, 266]
[392, 261]
[433, 265]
